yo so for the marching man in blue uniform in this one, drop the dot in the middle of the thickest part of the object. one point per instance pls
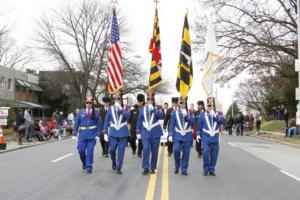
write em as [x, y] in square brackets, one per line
[148, 128]
[88, 123]
[180, 132]
[208, 127]
[115, 126]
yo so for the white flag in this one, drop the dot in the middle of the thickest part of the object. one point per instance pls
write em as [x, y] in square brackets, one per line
[211, 60]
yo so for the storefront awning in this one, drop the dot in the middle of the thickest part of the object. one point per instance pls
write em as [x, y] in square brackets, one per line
[23, 104]
[30, 86]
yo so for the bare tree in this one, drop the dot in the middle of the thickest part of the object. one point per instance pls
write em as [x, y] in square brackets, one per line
[255, 35]
[78, 39]
[10, 54]
[251, 94]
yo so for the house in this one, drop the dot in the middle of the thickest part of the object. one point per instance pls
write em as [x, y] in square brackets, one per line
[20, 90]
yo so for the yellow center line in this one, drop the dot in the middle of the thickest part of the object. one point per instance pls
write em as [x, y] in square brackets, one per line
[152, 181]
[165, 177]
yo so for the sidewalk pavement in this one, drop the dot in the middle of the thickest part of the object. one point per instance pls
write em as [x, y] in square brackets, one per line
[12, 145]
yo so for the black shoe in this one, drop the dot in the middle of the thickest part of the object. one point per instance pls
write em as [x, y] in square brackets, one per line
[83, 167]
[146, 172]
[169, 154]
[113, 167]
[106, 155]
[184, 173]
[205, 173]
[119, 172]
[152, 171]
[88, 171]
[212, 173]
[176, 171]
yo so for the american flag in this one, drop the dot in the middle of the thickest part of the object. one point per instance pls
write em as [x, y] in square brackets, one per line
[114, 69]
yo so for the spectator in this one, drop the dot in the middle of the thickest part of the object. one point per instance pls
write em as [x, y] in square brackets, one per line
[238, 124]
[258, 122]
[28, 121]
[286, 120]
[278, 113]
[292, 129]
[20, 126]
[229, 125]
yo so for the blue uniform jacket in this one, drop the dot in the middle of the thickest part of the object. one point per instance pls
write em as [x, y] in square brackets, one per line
[117, 122]
[149, 126]
[180, 128]
[208, 126]
[88, 128]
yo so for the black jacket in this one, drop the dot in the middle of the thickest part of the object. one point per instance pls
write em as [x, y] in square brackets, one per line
[134, 114]
[168, 117]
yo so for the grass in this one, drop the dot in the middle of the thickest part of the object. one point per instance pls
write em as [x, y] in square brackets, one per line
[273, 126]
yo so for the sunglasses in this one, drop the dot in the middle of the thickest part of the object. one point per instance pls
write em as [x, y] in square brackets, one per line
[149, 99]
[88, 102]
[181, 102]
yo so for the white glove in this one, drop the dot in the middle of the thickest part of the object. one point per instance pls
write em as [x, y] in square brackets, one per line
[213, 113]
[198, 138]
[74, 138]
[117, 105]
[138, 136]
[150, 106]
[170, 139]
[97, 139]
[184, 112]
[105, 137]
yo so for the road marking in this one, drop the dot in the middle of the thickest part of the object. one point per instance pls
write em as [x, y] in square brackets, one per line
[165, 177]
[152, 181]
[231, 144]
[65, 156]
[290, 175]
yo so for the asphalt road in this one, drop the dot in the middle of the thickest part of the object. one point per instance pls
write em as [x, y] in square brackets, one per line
[248, 168]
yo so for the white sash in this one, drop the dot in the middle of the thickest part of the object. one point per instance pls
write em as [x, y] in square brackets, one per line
[148, 124]
[210, 131]
[182, 130]
[116, 123]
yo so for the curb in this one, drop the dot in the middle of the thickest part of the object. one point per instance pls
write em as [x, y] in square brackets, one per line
[276, 141]
[24, 147]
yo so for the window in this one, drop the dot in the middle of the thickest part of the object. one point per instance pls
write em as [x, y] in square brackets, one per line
[9, 84]
[2, 83]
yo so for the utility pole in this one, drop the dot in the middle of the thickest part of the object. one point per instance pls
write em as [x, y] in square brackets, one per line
[297, 65]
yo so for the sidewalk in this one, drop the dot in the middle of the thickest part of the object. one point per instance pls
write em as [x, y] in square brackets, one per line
[12, 146]
[277, 137]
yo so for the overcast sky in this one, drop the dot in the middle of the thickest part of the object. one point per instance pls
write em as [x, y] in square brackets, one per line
[23, 14]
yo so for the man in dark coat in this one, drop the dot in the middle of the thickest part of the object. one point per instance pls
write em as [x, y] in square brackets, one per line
[201, 108]
[167, 121]
[133, 120]
[103, 111]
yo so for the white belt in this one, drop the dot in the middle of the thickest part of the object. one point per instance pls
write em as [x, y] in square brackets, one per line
[87, 127]
[118, 126]
[150, 126]
[183, 132]
[210, 132]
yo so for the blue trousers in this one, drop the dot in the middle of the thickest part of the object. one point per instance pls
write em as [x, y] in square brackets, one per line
[86, 152]
[210, 154]
[184, 147]
[120, 143]
[150, 145]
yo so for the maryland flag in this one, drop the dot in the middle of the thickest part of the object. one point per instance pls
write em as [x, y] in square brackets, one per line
[185, 67]
[154, 48]
[211, 60]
